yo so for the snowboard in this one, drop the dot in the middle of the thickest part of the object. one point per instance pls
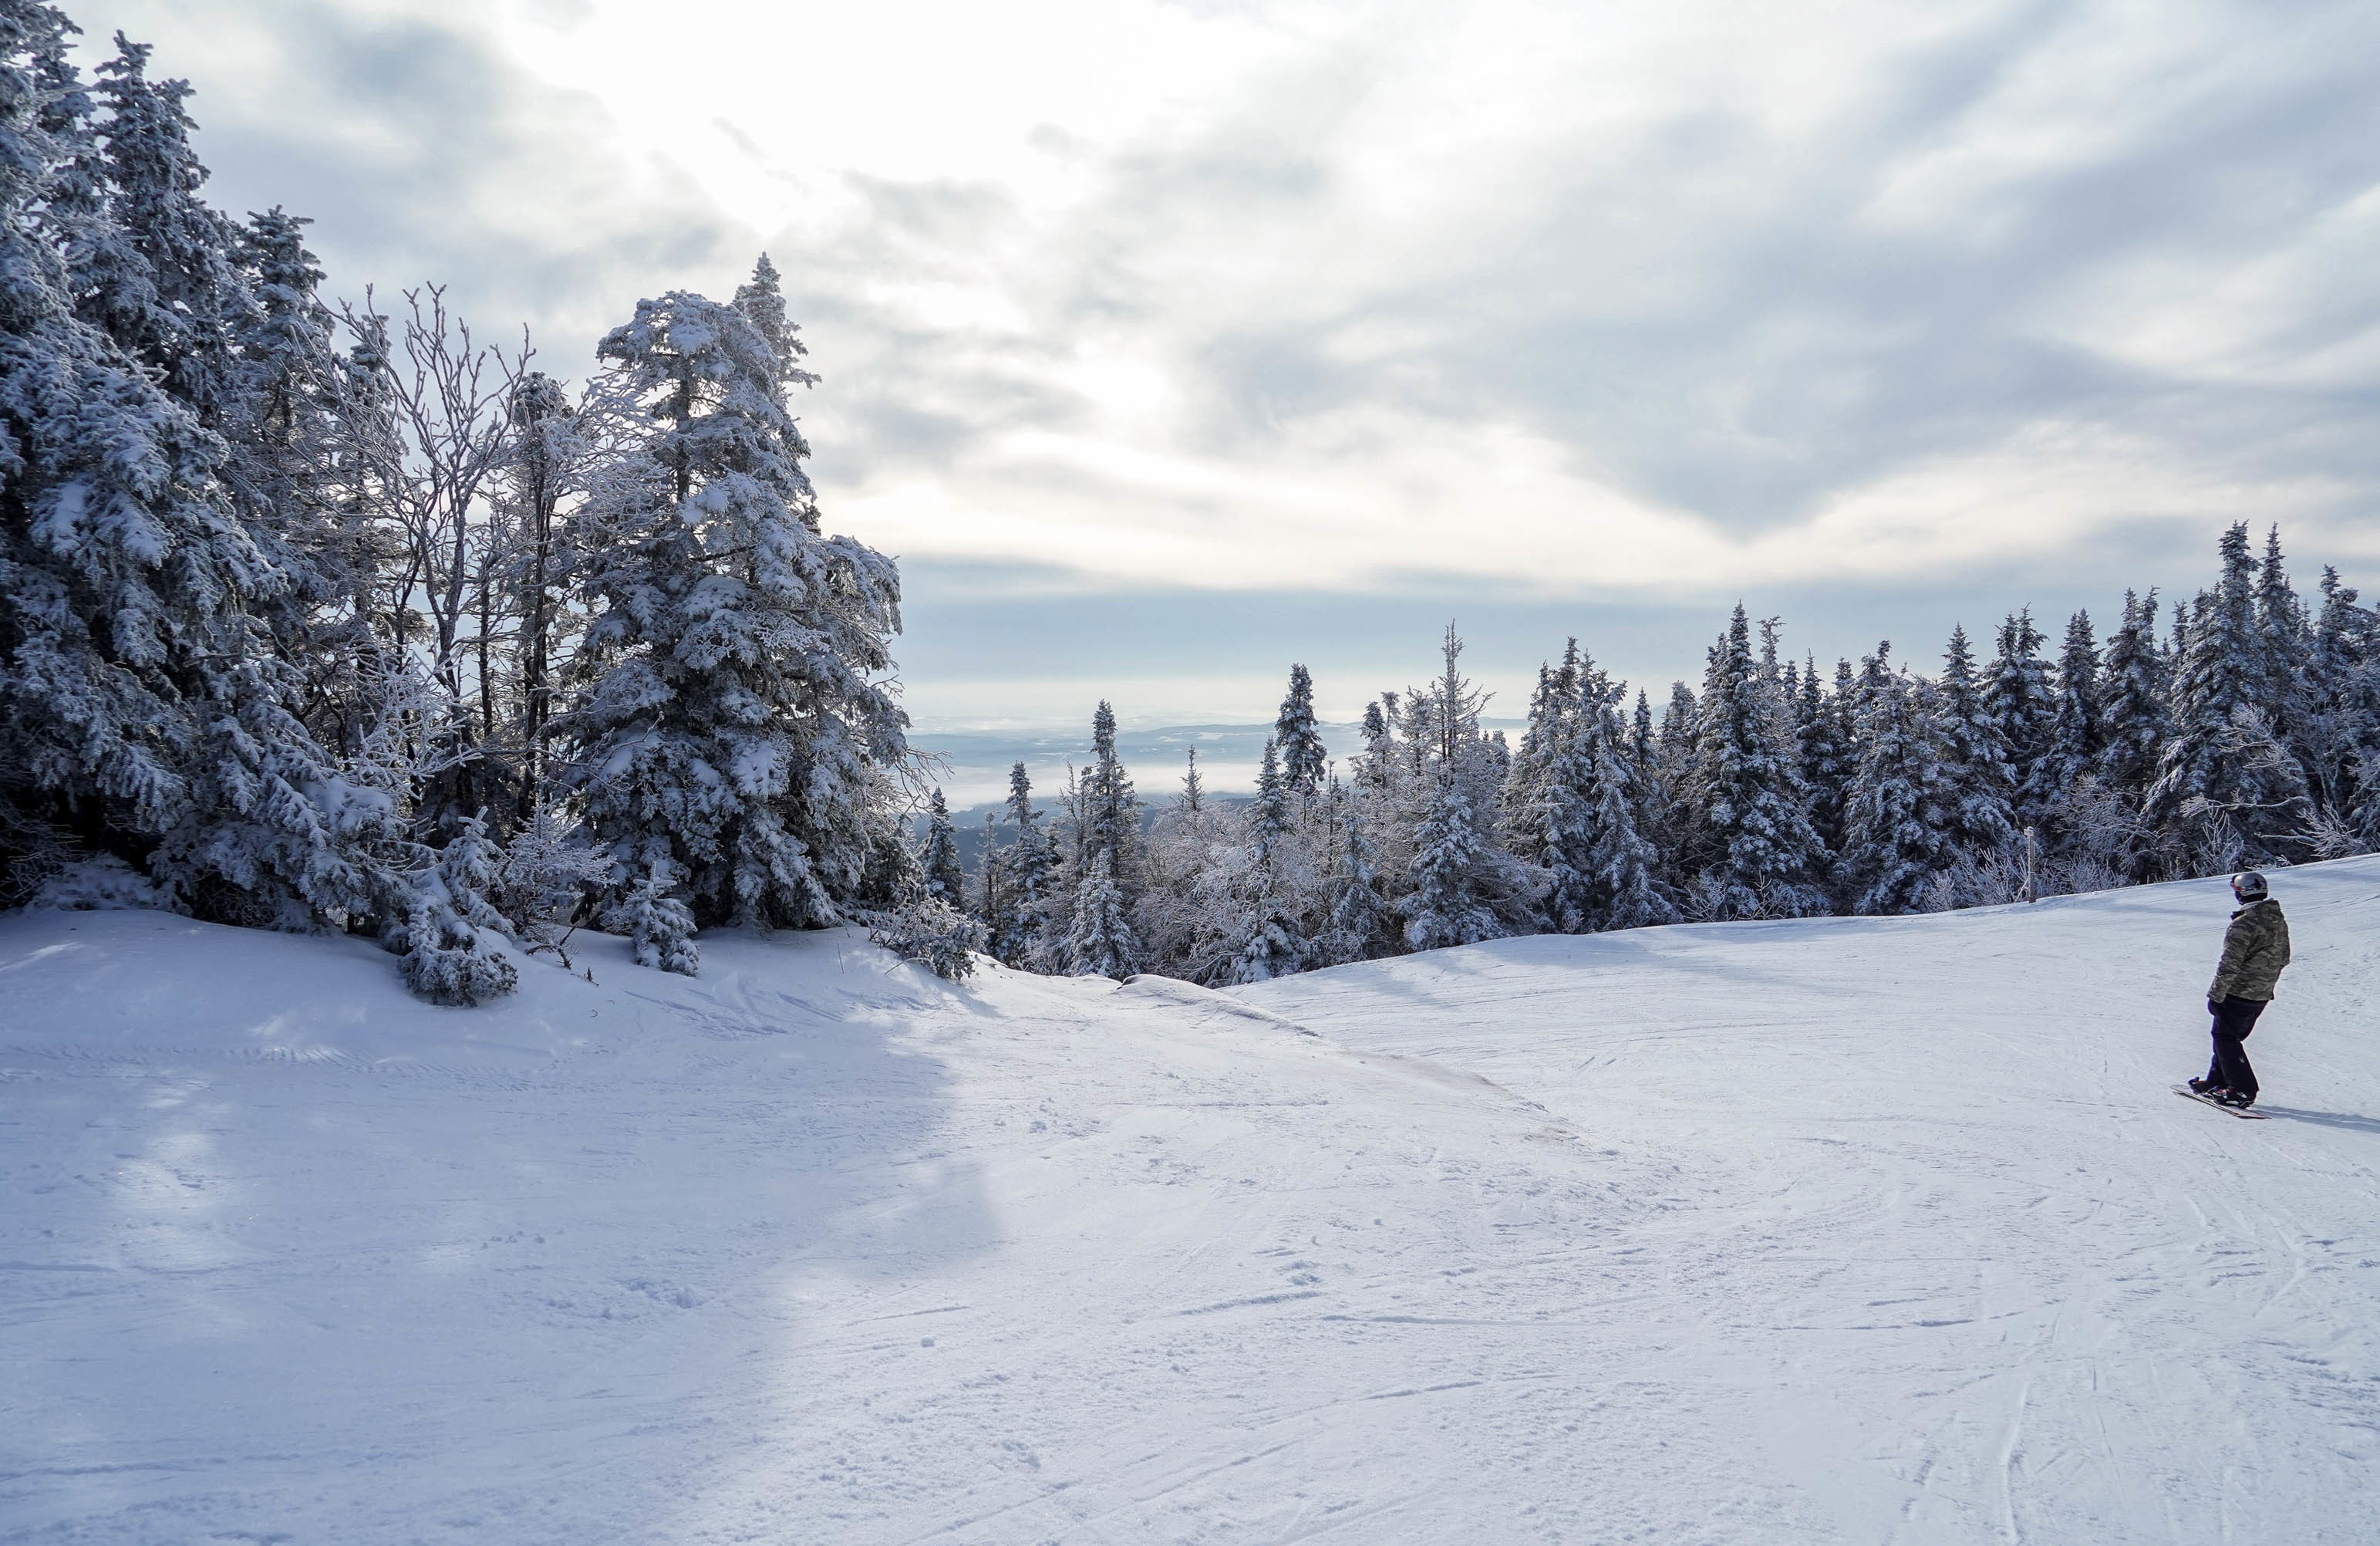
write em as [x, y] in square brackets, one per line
[2189, 1094]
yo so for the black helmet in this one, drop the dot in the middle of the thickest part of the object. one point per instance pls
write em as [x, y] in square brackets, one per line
[2248, 886]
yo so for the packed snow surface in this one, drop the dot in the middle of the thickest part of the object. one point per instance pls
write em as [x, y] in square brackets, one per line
[1837, 1231]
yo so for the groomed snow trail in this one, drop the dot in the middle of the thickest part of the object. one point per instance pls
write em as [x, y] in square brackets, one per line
[1837, 1231]
[1981, 1275]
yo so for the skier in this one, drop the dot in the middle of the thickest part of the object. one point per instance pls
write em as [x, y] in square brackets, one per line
[2256, 949]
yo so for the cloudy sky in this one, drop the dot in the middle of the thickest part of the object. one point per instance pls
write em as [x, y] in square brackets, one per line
[1168, 343]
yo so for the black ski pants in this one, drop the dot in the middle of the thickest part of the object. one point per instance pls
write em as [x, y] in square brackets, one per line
[2234, 1018]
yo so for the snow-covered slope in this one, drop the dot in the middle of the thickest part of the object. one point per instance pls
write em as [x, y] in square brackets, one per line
[1838, 1230]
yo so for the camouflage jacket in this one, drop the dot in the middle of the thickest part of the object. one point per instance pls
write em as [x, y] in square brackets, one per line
[2256, 949]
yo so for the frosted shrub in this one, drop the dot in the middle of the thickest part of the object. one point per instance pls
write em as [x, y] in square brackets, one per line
[102, 885]
[933, 934]
[660, 925]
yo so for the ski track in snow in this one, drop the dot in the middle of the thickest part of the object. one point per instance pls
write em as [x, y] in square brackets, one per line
[1861, 1231]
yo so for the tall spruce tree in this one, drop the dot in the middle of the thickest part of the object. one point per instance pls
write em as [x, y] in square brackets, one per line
[2077, 734]
[1100, 939]
[1363, 926]
[1982, 784]
[732, 718]
[144, 709]
[1303, 756]
[1027, 864]
[2225, 781]
[1901, 820]
[1765, 856]
[1624, 889]
[945, 879]
[1829, 749]
[2135, 717]
[2022, 710]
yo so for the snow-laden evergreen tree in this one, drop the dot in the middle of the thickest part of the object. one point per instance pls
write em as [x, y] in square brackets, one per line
[1376, 765]
[1194, 788]
[1450, 867]
[1099, 938]
[1302, 753]
[2225, 785]
[945, 879]
[1563, 828]
[144, 709]
[1549, 796]
[1623, 866]
[732, 719]
[1109, 816]
[2342, 733]
[1268, 813]
[1363, 926]
[2077, 732]
[1027, 864]
[1900, 825]
[2285, 641]
[2134, 715]
[160, 274]
[1983, 786]
[1764, 856]
[657, 923]
[446, 960]
[2022, 710]
[1829, 750]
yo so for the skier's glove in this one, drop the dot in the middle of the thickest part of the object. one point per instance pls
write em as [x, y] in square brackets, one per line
[2214, 1006]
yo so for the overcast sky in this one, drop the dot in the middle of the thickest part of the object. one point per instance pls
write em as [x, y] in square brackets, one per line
[1168, 343]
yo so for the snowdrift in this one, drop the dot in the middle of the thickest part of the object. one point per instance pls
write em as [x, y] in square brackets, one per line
[1857, 1231]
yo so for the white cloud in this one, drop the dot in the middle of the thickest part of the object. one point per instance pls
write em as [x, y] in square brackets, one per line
[1654, 301]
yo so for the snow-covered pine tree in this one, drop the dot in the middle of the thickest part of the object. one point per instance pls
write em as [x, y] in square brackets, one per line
[1445, 906]
[2022, 710]
[731, 719]
[1560, 829]
[1830, 749]
[1109, 810]
[2225, 785]
[1765, 858]
[1100, 939]
[2285, 639]
[1027, 864]
[1268, 813]
[1622, 867]
[1194, 788]
[2077, 736]
[1375, 768]
[1982, 783]
[144, 712]
[2343, 733]
[945, 879]
[2134, 715]
[446, 960]
[1302, 753]
[658, 924]
[1547, 799]
[1363, 925]
[1900, 836]
[160, 274]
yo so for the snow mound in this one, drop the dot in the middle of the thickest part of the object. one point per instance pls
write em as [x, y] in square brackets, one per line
[1830, 1230]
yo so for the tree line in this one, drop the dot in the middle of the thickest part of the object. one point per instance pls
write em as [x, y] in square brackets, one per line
[2247, 732]
[325, 617]
[322, 615]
